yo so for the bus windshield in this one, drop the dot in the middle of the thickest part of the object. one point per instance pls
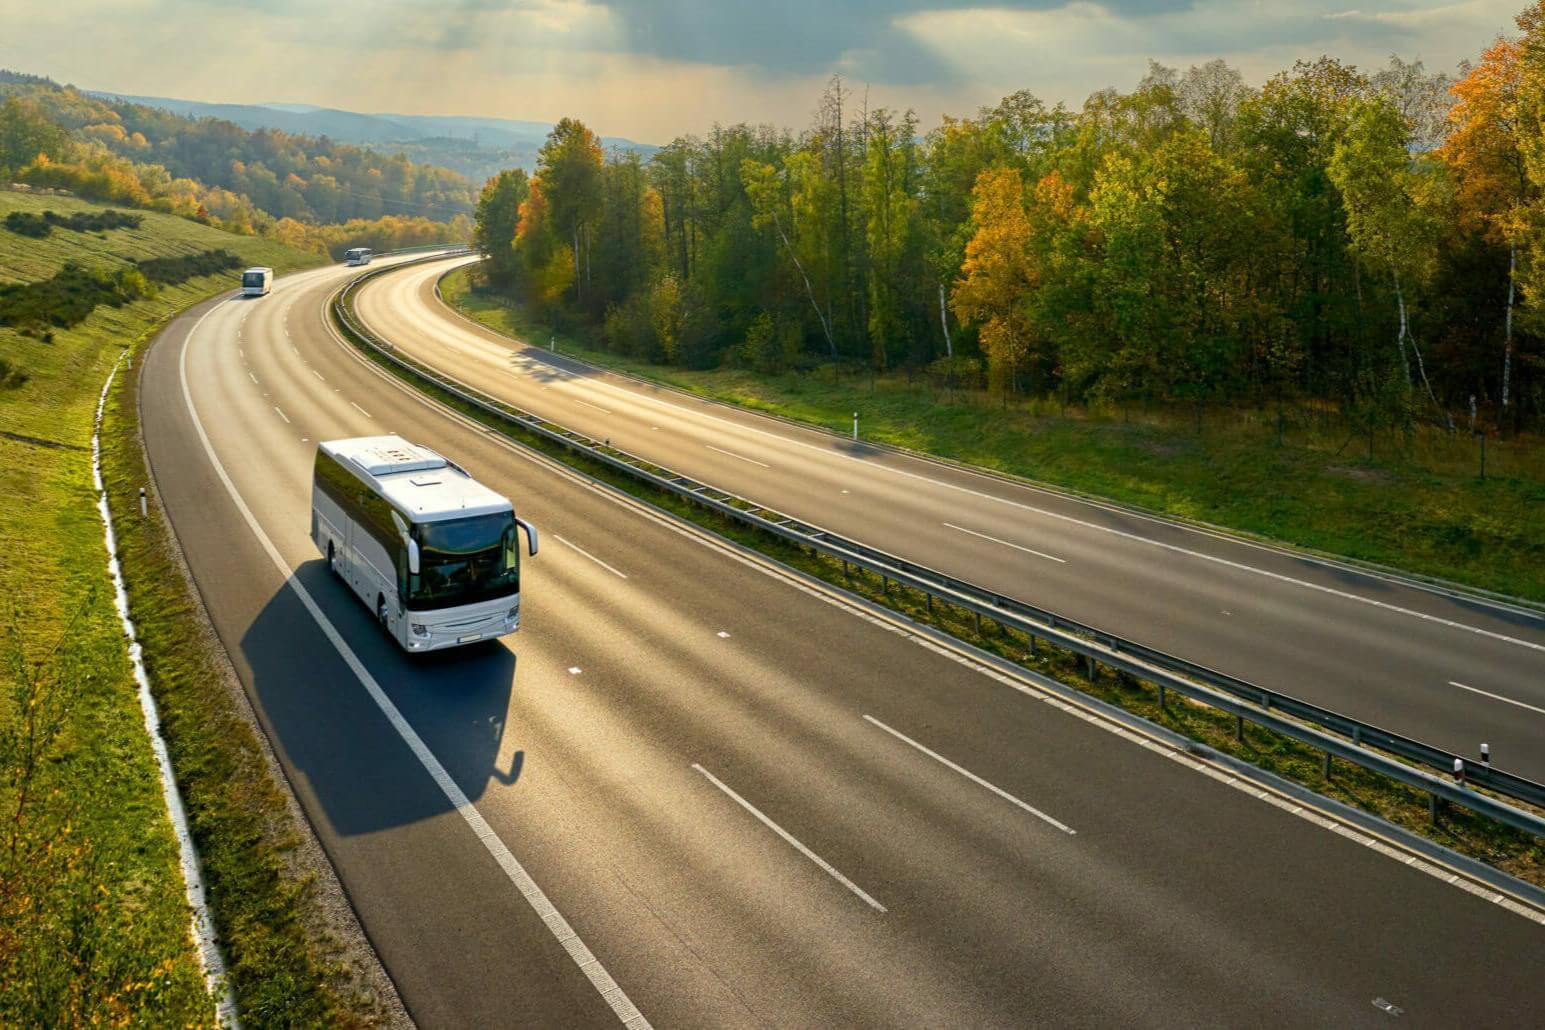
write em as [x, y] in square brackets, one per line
[251, 278]
[462, 561]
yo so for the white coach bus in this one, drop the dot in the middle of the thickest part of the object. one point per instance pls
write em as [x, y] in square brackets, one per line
[357, 256]
[256, 282]
[433, 552]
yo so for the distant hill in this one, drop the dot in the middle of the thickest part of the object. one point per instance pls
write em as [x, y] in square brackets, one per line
[477, 147]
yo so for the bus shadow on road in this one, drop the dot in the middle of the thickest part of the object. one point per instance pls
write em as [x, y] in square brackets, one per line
[342, 752]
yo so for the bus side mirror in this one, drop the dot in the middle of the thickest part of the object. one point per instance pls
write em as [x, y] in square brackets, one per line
[413, 556]
[530, 533]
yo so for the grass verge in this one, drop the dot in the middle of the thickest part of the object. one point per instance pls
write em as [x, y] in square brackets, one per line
[1418, 504]
[96, 926]
[1509, 850]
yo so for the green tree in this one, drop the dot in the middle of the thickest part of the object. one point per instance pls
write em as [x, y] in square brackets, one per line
[1392, 204]
[498, 216]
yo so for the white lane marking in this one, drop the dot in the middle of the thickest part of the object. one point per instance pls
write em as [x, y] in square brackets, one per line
[973, 777]
[732, 454]
[723, 635]
[242, 353]
[318, 375]
[359, 409]
[1138, 538]
[575, 547]
[1495, 697]
[282, 415]
[254, 379]
[587, 404]
[1029, 685]
[574, 670]
[1005, 543]
[588, 964]
[780, 831]
[297, 353]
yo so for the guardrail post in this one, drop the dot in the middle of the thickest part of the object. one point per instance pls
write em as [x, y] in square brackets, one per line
[978, 616]
[1432, 808]
[1325, 768]
[1163, 698]
[1032, 645]
[1357, 735]
[1239, 728]
[1094, 670]
[929, 597]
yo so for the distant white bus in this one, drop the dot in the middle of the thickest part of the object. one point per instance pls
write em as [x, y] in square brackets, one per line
[257, 282]
[357, 256]
[432, 552]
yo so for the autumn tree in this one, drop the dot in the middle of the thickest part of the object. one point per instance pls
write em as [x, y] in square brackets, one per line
[1482, 151]
[997, 274]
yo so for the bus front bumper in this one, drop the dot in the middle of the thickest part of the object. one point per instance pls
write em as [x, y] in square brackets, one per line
[425, 633]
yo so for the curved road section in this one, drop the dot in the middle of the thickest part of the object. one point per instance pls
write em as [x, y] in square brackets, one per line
[1449, 671]
[695, 791]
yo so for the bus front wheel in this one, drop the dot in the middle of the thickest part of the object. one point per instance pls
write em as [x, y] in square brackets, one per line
[332, 560]
[381, 612]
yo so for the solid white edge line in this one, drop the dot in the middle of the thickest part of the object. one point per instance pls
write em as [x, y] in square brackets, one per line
[573, 546]
[201, 924]
[1022, 684]
[1495, 697]
[1138, 538]
[973, 777]
[732, 454]
[788, 837]
[587, 404]
[588, 964]
[1005, 543]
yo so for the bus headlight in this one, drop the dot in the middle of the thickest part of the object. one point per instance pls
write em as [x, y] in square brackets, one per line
[420, 630]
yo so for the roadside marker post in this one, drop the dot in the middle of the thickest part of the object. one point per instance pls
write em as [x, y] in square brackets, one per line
[1486, 755]
[143, 510]
[855, 425]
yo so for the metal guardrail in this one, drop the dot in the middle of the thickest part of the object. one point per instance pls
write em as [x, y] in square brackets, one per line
[1244, 700]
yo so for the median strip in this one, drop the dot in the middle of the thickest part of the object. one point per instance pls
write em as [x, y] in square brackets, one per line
[1286, 755]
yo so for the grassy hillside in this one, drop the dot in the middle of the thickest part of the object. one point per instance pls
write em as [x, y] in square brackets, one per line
[93, 920]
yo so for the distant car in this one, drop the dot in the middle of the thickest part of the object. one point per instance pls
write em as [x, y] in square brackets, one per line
[257, 282]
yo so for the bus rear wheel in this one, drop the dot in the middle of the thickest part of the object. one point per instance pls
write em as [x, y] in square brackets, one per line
[332, 560]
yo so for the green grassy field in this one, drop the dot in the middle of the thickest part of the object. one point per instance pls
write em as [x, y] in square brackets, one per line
[1417, 505]
[96, 925]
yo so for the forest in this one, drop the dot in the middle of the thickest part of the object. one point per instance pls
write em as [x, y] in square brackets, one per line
[308, 192]
[1368, 242]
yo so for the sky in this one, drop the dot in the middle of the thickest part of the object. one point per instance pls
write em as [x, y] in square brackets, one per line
[654, 69]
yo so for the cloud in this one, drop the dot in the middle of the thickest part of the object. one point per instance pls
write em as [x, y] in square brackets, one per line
[861, 38]
[650, 69]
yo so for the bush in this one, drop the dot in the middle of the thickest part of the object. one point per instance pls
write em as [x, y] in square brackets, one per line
[11, 375]
[173, 270]
[25, 223]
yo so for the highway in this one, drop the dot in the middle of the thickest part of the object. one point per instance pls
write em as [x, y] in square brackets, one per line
[696, 790]
[1451, 671]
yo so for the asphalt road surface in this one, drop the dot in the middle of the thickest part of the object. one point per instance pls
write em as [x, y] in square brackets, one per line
[696, 792]
[1445, 670]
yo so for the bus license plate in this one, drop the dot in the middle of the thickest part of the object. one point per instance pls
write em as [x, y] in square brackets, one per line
[469, 638]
